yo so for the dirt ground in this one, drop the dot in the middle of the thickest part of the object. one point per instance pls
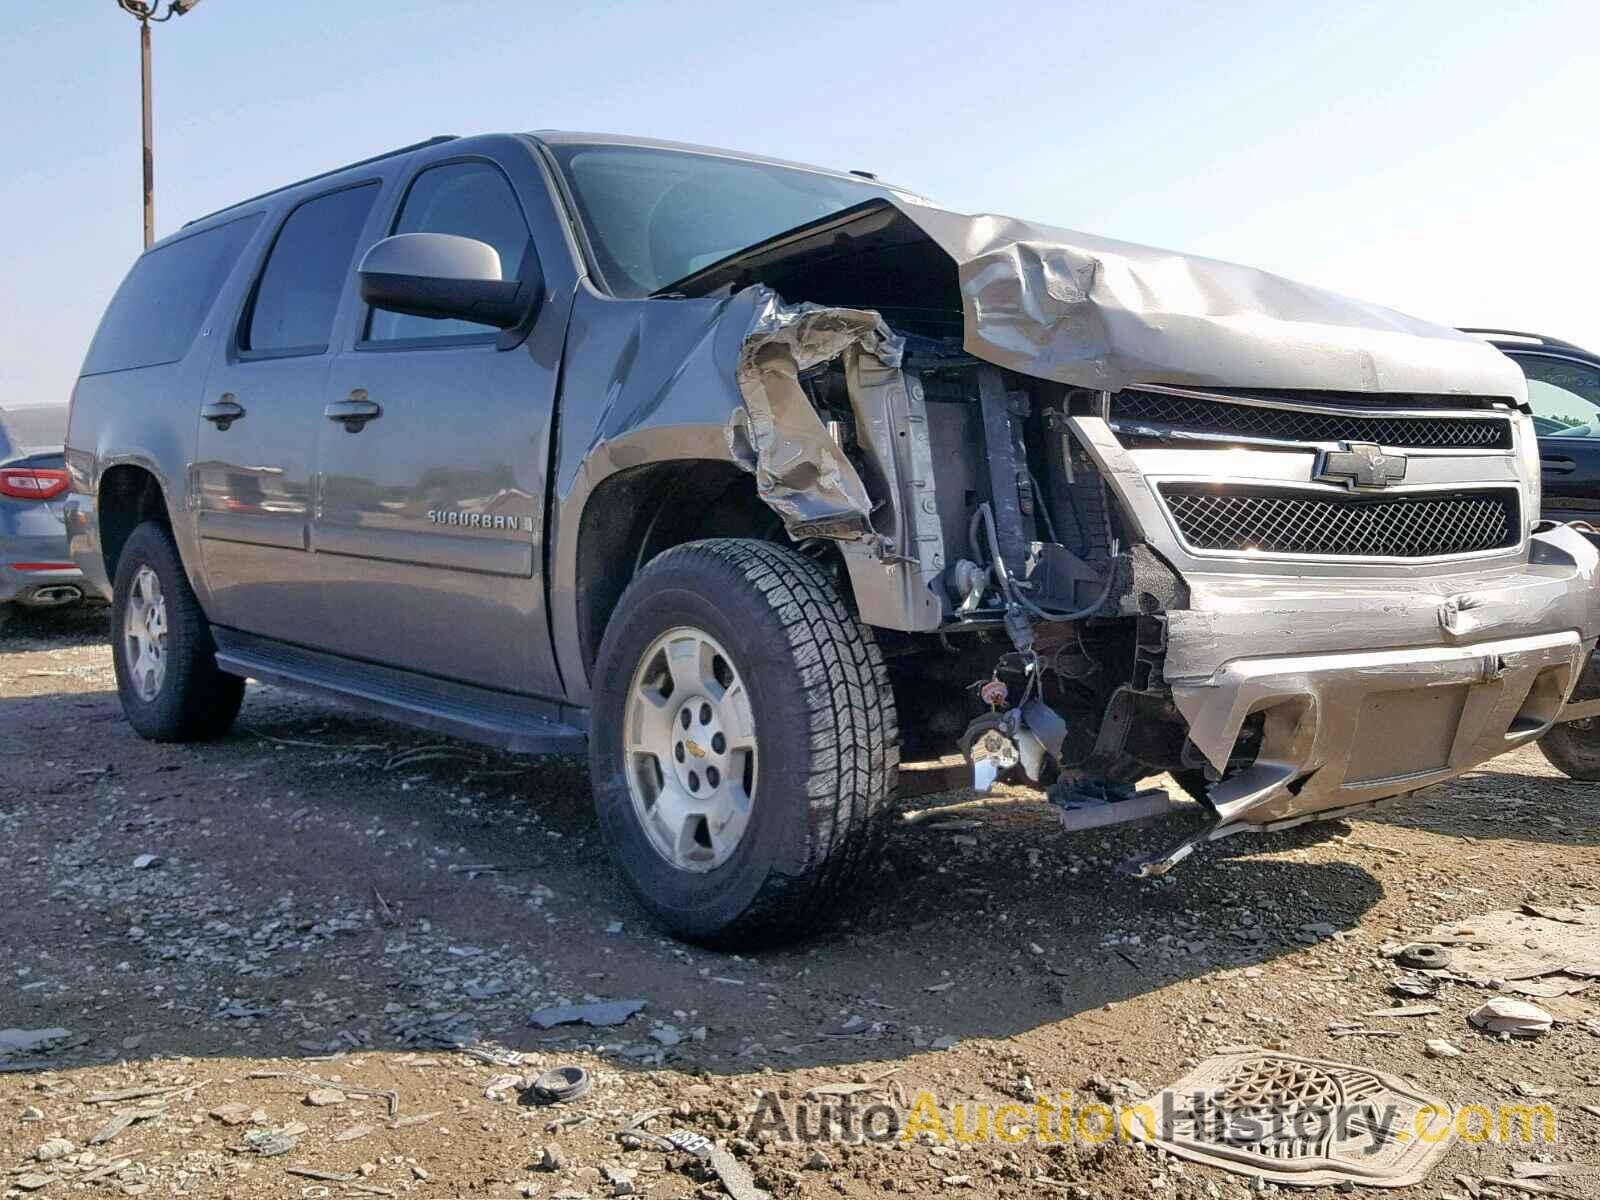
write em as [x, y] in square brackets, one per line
[336, 906]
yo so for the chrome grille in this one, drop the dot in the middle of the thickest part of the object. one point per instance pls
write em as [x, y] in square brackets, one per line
[1285, 522]
[1197, 415]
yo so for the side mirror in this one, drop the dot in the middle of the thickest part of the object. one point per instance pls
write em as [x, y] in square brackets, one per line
[441, 275]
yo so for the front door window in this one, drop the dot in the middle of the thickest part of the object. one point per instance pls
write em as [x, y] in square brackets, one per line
[1564, 396]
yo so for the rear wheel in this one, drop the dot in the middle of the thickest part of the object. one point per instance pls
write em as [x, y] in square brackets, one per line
[744, 744]
[1574, 749]
[165, 660]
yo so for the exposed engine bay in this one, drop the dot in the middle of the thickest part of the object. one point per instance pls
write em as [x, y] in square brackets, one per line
[1116, 513]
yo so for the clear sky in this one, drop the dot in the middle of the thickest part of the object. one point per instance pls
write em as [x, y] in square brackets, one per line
[1442, 158]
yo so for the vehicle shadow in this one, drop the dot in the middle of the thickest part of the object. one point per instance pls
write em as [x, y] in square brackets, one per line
[1496, 803]
[325, 881]
[52, 628]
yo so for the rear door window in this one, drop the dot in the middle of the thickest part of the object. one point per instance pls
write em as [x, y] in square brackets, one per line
[292, 309]
[157, 311]
[468, 199]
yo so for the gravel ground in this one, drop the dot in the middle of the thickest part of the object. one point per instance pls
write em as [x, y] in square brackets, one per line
[265, 935]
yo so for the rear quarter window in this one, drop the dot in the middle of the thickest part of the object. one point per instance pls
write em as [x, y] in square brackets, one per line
[157, 311]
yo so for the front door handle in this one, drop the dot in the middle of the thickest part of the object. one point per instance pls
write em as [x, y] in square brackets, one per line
[1558, 466]
[353, 412]
[223, 411]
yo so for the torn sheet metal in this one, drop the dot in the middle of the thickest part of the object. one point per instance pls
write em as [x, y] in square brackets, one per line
[1097, 313]
[1541, 952]
[777, 435]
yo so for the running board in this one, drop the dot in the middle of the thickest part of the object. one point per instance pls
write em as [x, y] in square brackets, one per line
[520, 724]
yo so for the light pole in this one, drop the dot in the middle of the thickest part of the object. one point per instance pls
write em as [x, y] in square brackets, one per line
[147, 11]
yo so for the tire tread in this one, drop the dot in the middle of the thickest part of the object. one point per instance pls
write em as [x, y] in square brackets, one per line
[852, 728]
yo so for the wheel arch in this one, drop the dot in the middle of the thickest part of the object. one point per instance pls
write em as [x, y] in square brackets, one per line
[128, 494]
[639, 512]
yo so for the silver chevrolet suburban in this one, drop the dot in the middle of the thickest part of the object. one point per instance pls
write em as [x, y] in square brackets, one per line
[757, 478]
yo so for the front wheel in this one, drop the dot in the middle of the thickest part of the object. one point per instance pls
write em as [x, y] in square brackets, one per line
[165, 660]
[744, 745]
[1574, 749]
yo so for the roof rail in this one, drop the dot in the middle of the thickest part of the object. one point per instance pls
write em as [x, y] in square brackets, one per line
[360, 162]
[1539, 338]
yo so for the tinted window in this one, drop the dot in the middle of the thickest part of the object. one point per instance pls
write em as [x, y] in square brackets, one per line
[158, 309]
[1564, 396]
[469, 199]
[299, 289]
[655, 216]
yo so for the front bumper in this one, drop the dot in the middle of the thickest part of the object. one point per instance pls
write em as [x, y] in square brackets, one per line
[1433, 676]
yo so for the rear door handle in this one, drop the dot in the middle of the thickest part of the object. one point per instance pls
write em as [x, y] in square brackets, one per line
[353, 412]
[223, 411]
[1558, 466]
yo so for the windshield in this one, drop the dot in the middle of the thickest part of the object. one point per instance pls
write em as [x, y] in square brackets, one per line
[655, 216]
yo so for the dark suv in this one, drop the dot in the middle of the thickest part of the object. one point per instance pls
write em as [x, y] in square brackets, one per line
[1564, 396]
[752, 476]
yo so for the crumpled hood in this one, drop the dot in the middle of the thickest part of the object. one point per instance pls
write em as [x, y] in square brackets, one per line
[1094, 312]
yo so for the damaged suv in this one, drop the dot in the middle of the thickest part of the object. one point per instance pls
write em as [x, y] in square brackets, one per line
[757, 478]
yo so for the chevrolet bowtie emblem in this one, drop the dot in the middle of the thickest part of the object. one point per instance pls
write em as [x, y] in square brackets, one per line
[1359, 464]
[694, 747]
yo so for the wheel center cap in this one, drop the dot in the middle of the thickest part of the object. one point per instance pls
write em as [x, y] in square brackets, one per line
[700, 747]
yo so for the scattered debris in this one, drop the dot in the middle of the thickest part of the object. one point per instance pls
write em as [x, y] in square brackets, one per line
[146, 861]
[414, 1119]
[352, 1134]
[1539, 951]
[1515, 1017]
[323, 1176]
[124, 1118]
[326, 1086]
[497, 1087]
[600, 1014]
[269, 1144]
[139, 1093]
[736, 1179]
[1529, 1186]
[1539, 1170]
[1423, 956]
[552, 1158]
[323, 1097]
[1408, 1010]
[562, 1085]
[1419, 986]
[30, 1041]
[1439, 1048]
[53, 1149]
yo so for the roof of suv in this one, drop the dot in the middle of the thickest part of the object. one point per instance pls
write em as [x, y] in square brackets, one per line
[565, 137]
[1516, 339]
[560, 137]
